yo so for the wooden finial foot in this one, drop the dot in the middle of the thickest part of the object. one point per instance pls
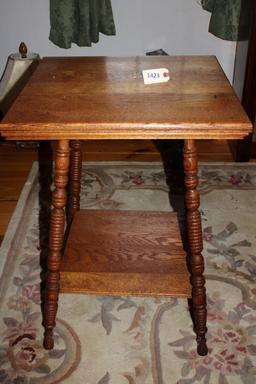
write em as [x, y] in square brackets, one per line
[48, 340]
[202, 349]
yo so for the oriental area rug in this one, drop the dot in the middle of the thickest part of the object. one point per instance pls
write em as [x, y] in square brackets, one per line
[130, 340]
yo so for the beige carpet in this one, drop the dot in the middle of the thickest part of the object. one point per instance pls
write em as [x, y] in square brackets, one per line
[120, 340]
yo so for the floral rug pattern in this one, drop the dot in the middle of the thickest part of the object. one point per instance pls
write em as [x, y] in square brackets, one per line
[121, 340]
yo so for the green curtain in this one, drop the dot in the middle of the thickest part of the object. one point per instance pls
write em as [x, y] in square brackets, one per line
[80, 21]
[230, 19]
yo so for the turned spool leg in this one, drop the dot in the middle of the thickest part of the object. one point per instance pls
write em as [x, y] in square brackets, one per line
[57, 226]
[74, 178]
[192, 201]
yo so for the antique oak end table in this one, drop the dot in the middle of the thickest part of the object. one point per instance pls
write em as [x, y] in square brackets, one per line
[90, 98]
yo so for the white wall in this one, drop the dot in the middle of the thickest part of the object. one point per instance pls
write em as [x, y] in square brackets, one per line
[178, 26]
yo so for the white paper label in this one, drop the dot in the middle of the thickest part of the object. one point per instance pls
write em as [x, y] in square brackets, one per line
[154, 76]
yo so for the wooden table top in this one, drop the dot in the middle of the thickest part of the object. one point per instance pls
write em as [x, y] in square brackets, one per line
[105, 98]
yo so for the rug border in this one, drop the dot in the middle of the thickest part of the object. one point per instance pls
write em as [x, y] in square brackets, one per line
[17, 215]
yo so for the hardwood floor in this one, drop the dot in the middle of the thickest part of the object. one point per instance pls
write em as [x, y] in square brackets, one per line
[16, 164]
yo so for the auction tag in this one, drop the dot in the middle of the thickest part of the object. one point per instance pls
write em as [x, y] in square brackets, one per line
[153, 76]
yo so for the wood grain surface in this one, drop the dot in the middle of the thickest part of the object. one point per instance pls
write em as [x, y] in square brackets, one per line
[105, 98]
[125, 253]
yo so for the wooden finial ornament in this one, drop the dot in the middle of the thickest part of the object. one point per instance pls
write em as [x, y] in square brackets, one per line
[23, 50]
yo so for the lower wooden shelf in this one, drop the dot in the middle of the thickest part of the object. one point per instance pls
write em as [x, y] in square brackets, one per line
[131, 253]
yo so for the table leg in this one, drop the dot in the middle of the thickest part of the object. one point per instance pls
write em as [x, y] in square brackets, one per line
[57, 226]
[192, 201]
[75, 178]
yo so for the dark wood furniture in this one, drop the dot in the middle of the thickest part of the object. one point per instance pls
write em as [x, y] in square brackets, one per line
[246, 149]
[73, 99]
